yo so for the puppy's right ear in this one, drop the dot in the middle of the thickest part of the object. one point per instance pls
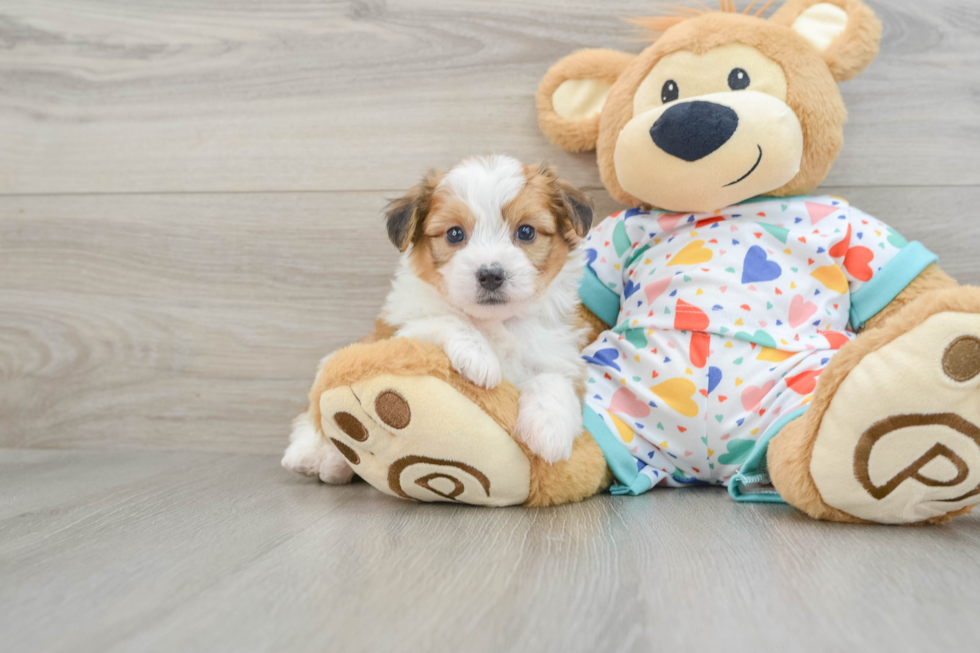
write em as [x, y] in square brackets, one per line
[572, 94]
[405, 216]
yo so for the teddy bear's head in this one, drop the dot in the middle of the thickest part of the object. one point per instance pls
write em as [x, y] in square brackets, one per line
[722, 107]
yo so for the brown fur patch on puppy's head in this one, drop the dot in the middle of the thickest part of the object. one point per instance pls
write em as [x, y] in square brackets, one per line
[432, 250]
[560, 215]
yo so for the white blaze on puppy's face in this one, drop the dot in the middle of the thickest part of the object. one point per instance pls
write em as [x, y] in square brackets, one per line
[483, 187]
[494, 236]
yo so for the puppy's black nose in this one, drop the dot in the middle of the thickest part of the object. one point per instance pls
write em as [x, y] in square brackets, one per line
[491, 278]
[693, 130]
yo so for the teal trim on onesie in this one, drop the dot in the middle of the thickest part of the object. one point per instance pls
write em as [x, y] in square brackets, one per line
[620, 461]
[771, 198]
[599, 299]
[754, 469]
[868, 300]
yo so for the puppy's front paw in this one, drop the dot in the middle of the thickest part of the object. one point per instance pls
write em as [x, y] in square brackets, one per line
[334, 468]
[549, 417]
[311, 455]
[475, 360]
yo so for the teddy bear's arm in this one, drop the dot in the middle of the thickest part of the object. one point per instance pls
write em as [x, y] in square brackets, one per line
[883, 271]
[609, 252]
[931, 279]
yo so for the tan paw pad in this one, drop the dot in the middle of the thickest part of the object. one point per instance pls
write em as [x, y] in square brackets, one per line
[418, 438]
[899, 443]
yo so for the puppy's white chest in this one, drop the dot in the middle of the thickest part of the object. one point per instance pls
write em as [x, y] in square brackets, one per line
[509, 350]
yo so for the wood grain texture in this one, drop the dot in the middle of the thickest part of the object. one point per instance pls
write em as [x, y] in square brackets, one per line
[154, 96]
[208, 552]
[195, 322]
[189, 321]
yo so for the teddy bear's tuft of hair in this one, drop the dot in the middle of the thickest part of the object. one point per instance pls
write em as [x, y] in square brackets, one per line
[678, 14]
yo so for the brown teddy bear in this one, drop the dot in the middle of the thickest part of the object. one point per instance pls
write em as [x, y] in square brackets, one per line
[746, 334]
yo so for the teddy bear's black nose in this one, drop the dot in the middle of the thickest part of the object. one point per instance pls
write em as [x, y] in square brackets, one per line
[693, 130]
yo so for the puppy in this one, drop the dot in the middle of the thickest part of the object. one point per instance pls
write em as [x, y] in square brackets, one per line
[489, 271]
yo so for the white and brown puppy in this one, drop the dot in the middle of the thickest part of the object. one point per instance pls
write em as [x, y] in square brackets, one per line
[490, 271]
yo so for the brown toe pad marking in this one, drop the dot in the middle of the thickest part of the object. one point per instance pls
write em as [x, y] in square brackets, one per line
[862, 453]
[393, 409]
[349, 453]
[397, 467]
[458, 486]
[961, 362]
[351, 426]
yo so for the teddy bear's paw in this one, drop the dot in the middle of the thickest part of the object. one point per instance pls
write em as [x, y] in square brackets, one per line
[900, 441]
[549, 417]
[472, 356]
[311, 455]
[419, 438]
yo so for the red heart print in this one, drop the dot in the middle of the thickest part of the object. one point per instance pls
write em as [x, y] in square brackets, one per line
[856, 262]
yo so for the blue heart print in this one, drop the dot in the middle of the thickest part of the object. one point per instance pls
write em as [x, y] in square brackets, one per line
[630, 288]
[592, 255]
[714, 378]
[757, 267]
[605, 358]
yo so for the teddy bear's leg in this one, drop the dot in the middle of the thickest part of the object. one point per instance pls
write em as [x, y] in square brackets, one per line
[893, 432]
[411, 427]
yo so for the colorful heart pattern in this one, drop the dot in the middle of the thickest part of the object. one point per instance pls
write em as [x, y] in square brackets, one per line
[756, 267]
[725, 322]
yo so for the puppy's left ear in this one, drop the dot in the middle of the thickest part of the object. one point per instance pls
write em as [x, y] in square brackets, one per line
[579, 208]
[405, 216]
[845, 32]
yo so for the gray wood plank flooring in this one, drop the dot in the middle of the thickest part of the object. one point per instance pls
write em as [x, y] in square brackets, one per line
[208, 552]
[190, 198]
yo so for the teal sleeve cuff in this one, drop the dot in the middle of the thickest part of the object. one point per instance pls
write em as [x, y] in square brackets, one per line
[599, 299]
[755, 470]
[620, 461]
[868, 300]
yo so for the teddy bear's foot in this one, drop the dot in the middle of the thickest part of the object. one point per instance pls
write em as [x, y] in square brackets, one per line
[417, 438]
[412, 427]
[893, 433]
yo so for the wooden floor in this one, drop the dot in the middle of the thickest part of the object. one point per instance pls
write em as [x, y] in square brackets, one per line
[190, 196]
[135, 551]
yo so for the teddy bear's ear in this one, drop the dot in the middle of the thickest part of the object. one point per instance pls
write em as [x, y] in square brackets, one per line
[572, 93]
[846, 32]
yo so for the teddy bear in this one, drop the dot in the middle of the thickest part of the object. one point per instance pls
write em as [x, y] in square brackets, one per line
[745, 332]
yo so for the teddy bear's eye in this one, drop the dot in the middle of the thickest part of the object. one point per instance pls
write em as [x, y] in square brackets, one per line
[738, 79]
[669, 92]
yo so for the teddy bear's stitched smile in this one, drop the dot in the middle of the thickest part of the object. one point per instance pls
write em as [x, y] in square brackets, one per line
[751, 170]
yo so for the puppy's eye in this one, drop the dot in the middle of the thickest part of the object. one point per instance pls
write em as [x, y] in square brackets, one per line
[738, 79]
[526, 233]
[455, 235]
[669, 92]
